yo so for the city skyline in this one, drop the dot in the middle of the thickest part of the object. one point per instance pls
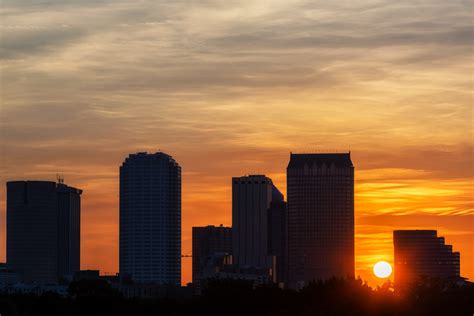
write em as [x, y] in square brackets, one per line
[368, 277]
[231, 88]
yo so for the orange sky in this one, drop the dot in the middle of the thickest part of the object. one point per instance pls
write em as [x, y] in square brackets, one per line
[230, 88]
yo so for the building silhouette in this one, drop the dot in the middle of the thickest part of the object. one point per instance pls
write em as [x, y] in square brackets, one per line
[277, 240]
[211, 247]
[251, 198]
[150, 219]
[320, 217]
[43, 230]
[421, 253]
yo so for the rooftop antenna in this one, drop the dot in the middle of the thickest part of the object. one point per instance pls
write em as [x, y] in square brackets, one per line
[59, 178]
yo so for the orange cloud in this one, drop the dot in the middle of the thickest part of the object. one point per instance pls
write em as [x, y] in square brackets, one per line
[230, 90]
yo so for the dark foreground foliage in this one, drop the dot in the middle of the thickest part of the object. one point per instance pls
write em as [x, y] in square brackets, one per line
[226, 297]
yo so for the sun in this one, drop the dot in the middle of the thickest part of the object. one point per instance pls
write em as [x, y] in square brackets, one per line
[382, 269]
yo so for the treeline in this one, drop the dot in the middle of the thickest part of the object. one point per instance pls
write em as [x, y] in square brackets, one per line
[231, 297]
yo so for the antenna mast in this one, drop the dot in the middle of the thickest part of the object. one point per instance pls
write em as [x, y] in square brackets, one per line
[59, 178]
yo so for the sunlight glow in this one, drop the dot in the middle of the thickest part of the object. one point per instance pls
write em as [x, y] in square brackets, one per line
[382, 269]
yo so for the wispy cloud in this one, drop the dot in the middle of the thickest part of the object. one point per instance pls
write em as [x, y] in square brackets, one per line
[229, 88]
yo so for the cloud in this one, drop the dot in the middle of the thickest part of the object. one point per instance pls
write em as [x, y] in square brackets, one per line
[230, 87]
[34, 40]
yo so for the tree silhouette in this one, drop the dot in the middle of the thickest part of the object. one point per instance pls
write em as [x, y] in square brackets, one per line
[241, 297]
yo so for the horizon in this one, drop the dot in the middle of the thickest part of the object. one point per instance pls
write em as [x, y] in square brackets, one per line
[363, 269]
[232, 88]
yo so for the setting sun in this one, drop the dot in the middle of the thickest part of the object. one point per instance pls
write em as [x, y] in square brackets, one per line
[382, 269]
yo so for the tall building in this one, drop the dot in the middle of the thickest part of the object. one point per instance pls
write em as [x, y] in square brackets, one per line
[207, 242]
[251, 198]
[421, 253]
[212, 246]
[320, 217]
[277, 240]
[150, 219]
[43, 230]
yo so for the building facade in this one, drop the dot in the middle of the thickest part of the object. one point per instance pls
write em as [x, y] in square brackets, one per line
[43, 230]
[320, 190]
[8, 277]
[208, 242]
[150, 219]
[251, 198]
[421, 253]
[277, 240]
[212, 249]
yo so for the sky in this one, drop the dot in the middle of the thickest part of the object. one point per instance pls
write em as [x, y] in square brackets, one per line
[230, 88]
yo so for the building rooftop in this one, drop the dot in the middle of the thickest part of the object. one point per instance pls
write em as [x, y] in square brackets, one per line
[338, 159]
[61, 187]
[141, 157]
[415, 232]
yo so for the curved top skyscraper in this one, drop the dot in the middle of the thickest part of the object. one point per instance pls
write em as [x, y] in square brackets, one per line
[150, 219]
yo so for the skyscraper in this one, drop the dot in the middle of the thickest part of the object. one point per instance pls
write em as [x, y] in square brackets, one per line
[43, 230]
[320, 217]
[210, 247]
[150, 219]
[277, 240]
[421, 253]
[251, 198]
